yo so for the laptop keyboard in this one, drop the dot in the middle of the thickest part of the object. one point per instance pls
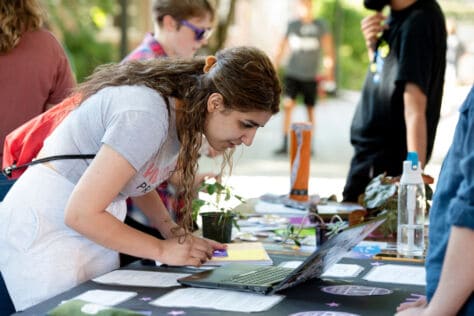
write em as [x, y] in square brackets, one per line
[263, 275]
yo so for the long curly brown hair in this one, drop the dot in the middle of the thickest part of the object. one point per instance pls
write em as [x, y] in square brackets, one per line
[17, 17]
[244, 76]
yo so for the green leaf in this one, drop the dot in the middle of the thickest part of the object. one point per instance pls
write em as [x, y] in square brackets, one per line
[378, 191]
[219, 186]
[211, 189]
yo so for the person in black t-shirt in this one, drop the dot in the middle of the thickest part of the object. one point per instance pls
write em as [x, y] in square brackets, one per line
[401, 99]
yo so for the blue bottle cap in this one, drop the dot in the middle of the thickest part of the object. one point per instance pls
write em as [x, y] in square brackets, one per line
[413, 157]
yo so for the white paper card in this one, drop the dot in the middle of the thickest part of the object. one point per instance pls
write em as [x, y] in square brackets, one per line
[218, 299]
[399, 274]
[338, 208]
[290, 264]
[107, 298]
[141, 278]
[342, 270]
[262, 207]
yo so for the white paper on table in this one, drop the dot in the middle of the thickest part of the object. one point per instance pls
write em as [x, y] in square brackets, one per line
[218, 299]
[400, 274]
[107, 298]
[343, 270]
[262, 207]
[141, 278]
[338, 208]
[290, 264]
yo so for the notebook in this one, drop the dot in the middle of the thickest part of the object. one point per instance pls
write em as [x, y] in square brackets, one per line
[243, 252]
[271, 279]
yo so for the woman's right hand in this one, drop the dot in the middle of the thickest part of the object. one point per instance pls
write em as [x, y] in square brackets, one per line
[412, 308]
[371, 27]
[189, 250]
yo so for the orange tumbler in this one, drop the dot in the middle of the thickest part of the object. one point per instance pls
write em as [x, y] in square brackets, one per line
[300, 156]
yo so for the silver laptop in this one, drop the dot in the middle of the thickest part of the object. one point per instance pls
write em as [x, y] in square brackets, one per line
[270, 279]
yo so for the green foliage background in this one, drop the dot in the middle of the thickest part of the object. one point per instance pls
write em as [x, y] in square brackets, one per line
[344, 22]
[78, 22]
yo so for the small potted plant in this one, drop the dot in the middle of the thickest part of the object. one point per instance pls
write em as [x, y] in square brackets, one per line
[381, 195]
[323, 229]
[218, 220]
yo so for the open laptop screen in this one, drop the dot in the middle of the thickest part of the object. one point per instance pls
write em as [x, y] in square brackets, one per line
[329, 253]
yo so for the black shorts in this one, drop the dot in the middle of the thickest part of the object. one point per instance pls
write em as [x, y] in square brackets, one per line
[293, 87]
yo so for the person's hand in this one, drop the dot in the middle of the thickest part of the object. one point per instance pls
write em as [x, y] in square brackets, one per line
[371, 27]
[186, 250]
[415, 311]
[427, 179]
[412, 308]
[215, 245]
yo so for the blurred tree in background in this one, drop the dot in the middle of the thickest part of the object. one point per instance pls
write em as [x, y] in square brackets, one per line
[343, 18]
[78, 23]
[224, 18]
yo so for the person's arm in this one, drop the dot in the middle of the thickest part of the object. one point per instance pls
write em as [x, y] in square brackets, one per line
[457, 277]
[371, 27]
[86, 213]
[152, 206]
[329, 60]
[154, 209]
[415, 120]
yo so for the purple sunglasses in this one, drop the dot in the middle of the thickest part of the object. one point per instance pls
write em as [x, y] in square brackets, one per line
[199, 34]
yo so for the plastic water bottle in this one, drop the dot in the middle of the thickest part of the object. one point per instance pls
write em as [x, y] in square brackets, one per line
[411, 209]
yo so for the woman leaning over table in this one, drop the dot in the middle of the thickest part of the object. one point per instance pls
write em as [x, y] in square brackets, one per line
[61, 223]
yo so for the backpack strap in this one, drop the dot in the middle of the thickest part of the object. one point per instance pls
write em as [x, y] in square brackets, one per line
[8, 170]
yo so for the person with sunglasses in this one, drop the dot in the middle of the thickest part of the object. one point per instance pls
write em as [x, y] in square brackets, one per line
[181, 28]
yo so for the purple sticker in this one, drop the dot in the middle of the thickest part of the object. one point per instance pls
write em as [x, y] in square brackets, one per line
[415, 297]
[144, 313]
[376, 263]
[220, 253]
[332, 304]
[145, 299]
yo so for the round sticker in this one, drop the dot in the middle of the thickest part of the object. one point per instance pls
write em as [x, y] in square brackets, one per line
[355, 290]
